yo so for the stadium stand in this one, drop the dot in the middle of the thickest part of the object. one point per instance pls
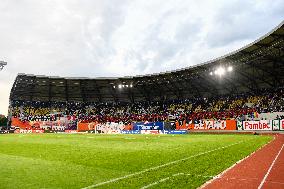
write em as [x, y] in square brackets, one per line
[189, 109]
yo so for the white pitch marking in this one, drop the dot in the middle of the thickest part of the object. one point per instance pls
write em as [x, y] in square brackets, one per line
[177, 174]
[154, 183]
[188, 174]
[159, 166]
[263, 180]
[174, 175]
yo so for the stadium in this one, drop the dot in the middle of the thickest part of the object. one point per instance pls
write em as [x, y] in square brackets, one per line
[218, 124]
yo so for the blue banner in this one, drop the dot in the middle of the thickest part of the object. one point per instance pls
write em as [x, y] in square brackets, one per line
[148, 126]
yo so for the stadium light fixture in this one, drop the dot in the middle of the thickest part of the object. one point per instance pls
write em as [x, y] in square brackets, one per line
[2, 64]
[120, 86]
[211, 73]
[230, 68]
[220, 71]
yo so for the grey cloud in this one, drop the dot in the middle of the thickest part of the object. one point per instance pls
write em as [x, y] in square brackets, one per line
[244, 20]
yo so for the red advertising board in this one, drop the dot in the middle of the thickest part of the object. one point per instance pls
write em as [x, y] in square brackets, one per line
[210, 125]
[99, 126]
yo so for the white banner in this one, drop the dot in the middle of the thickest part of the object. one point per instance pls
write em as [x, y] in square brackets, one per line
[110, 127]
[276, 124]
[262, 125]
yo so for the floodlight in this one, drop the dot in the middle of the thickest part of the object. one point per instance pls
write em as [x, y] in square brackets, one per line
[131, 85]
[230, 68]
[114, 87]
[119, 86]
[126, 85]
[2, 64]
[220, 71]
[211, 73]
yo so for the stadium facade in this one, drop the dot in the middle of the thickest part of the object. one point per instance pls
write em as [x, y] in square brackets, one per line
[259, 65]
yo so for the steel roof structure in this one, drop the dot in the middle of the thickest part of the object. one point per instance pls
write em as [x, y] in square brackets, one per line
[256, 66]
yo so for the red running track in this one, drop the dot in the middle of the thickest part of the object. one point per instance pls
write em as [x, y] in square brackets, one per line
[263, 169]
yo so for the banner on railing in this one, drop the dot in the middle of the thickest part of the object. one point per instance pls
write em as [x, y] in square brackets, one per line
[62, 123]
[262, 125]
[148, 126]
[103, 127]
[281, 124]
[208, 125]
[109, 128]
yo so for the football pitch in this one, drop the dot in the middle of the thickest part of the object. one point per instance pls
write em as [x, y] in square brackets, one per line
[119, 161]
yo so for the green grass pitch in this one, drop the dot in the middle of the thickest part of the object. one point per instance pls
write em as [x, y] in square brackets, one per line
[119, 161]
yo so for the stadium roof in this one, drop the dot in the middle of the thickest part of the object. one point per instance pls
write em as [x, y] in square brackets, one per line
[256, 66]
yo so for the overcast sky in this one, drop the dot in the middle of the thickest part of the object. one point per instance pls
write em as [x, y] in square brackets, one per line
[92, 38]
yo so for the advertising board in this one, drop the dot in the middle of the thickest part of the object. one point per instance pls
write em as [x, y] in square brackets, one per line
[213, 125]
[262, 125]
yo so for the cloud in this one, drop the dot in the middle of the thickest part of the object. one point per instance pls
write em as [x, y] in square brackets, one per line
[118, 38]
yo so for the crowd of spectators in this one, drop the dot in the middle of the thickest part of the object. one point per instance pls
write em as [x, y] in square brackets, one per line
[219, 108]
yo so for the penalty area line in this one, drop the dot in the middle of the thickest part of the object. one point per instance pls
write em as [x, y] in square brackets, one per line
[160, 166]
